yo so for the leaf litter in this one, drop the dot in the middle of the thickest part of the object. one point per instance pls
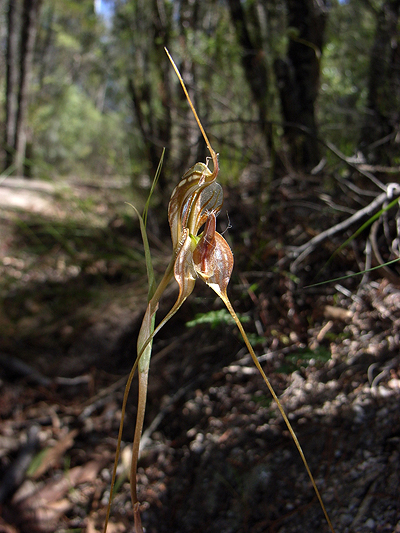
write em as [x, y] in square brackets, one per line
[218, 457]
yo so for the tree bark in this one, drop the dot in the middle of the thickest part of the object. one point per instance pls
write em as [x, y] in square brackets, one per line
[21, 35]
[146, 91]
[11, 81]
[162, 32]
[30, 18]
[192, 147]
[380, 137]
[254, 64]
[298, 79]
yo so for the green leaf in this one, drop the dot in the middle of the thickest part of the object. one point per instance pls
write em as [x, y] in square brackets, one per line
[353, 275]
[214, 318]
[369, 222]
[153, 186]
[147, 255]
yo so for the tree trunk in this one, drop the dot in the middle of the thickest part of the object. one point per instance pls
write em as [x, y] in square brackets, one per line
[162, 32]
[192, 147]
[30, 18]
[11, 82]
[254, 64]
[380, 134]
[45, 51]
[298, 79]
[147, 91]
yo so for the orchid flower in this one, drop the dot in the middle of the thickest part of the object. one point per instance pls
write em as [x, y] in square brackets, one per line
[194, 205]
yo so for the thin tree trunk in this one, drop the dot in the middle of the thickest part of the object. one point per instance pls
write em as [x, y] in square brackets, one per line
[162, 32]
[30, 17]
[141, 98]
[254, 64]
[146, 91]
[11, 81]
[379, 136]
[46, 47]
[298, 79]
[190, 140]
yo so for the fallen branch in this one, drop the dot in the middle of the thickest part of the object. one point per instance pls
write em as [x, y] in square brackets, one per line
[15, 368]
[14, 475]
[301, 252]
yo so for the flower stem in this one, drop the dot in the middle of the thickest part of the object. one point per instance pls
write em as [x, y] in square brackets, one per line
[143, 379]
[280, 407]
[153, 304]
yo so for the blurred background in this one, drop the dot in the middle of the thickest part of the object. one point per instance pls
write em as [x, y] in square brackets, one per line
[301, 99]
[87, 87]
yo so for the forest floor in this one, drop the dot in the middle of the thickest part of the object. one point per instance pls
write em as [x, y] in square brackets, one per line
[216, 456]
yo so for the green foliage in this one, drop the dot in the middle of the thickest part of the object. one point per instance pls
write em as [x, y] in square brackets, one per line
[143, 224]
[37, 462]
[72, 135]
[215, 319]
[83, 117]
[344, 73]
[263, 400]
[304, 358]
[75, 125]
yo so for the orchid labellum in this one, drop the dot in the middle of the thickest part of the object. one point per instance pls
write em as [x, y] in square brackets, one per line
[199, 251]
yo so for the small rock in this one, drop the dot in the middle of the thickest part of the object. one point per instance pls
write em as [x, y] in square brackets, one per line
[370, 523]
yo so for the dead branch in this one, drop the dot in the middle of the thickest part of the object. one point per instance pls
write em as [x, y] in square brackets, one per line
[301, 252]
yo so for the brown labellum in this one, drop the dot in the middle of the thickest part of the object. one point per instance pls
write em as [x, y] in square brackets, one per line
[213, 258]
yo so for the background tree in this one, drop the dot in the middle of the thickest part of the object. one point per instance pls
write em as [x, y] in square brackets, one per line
[19, 67]
[77, 110]
[380, 134]
[249, 33]
[344, 73]
[205, 49]
[103, 99]
[298, 77]
[11, 81]
[142, 28]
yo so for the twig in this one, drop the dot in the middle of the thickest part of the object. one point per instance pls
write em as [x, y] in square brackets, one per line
[15, 473]
[377, 255]
[301, 252]
[358, 166]
[15, 367]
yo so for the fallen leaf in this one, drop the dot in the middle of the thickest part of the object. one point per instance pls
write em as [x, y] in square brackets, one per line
[54, 455]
